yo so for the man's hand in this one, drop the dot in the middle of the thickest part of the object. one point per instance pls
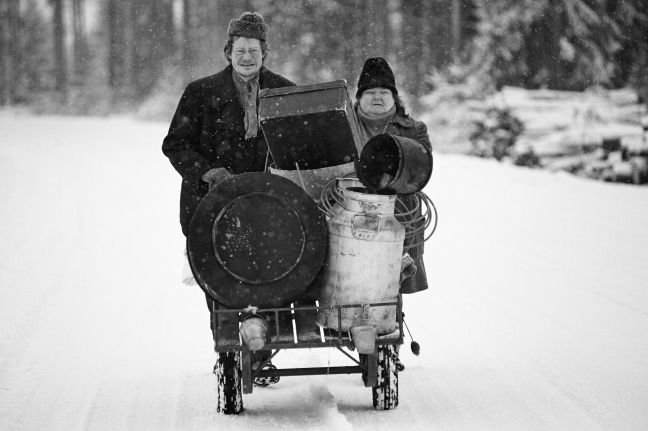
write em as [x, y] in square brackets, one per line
[215, 176]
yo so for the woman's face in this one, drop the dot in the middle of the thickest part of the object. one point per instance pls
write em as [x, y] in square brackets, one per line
[376, 101]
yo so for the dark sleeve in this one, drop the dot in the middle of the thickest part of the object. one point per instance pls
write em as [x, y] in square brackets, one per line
[422, 134]
[181, 143]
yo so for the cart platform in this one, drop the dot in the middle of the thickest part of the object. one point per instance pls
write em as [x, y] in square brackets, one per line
[294, 327]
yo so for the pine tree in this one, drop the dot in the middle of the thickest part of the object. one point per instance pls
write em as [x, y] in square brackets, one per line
[60, 56]
[561, 44]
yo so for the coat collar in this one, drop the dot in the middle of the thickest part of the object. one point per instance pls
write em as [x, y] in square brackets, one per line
[403, 121]
[228, 92]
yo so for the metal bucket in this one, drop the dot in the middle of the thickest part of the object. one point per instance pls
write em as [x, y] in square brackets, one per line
[363, 332]
[253, 331]
[364, 338]
[394, 164]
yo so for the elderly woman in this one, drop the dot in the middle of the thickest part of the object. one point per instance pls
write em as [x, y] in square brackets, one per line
[380, 110]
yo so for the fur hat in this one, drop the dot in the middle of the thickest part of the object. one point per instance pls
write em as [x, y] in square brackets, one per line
[250, 24]
[376, 73]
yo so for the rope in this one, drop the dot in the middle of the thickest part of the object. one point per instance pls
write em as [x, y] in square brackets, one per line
[300, 177]
[416, 219]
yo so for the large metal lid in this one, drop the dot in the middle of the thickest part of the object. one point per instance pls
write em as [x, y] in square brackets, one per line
[256, 239]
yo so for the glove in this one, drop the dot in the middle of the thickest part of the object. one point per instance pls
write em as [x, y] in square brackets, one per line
[215, 176]
[408, 267]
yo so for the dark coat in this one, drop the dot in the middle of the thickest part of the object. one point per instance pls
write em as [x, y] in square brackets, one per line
[207, 131]
[406, 126]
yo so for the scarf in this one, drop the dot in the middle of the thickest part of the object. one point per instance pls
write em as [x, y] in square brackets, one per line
[248, 92]
[371, 126]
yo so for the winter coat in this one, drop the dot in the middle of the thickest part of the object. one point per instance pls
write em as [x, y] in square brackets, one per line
[406, 126]
[207, 131]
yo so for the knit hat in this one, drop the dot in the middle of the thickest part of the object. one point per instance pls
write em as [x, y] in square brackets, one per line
[250, 24]
[376, 73]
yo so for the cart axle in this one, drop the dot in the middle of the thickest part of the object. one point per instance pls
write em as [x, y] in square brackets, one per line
[312, 371]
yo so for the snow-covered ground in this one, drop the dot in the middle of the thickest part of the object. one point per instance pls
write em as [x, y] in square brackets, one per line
[536, 318]
[561, 122]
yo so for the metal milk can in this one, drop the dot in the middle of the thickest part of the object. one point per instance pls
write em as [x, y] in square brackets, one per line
[364, 260]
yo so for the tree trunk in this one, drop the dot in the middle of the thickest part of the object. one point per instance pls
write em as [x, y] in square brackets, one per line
[395, 20]
[358, 43]
[4, 82]
[5, 53]
[371, 33]
[456, 28]
[14, 50]
[413, 40]
[348, 20]
[187, 39]
[130, 45]
[385, 22]
[80, 44]
[552, 55]
[164, 44]
[112, 20]
[154, 41]
[60, 70]
[427, 57]
[212, 19]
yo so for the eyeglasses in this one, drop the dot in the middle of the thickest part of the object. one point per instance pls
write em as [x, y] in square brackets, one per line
[240, 52]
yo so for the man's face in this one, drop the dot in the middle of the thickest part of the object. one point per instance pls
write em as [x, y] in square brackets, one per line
[247, 57]
[376, 101]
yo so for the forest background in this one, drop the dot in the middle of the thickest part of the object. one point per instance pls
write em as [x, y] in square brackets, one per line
[99, 57]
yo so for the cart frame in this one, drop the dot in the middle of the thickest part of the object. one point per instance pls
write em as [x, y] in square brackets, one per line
[284, 334]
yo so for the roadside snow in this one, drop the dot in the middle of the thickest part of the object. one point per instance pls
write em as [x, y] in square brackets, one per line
[536, 319]
[560, 122]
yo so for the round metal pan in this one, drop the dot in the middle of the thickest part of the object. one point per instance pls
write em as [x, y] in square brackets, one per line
[256, 239]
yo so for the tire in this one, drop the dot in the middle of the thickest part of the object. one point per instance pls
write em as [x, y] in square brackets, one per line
[385, 392]
[228, 373]
[364, 363]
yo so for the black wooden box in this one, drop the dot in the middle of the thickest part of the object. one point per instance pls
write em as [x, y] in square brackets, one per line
[313, 126]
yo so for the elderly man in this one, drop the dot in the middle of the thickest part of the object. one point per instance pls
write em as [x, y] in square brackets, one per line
[215, 130]
[380, 110]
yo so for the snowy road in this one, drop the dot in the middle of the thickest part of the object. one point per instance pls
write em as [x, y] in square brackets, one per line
[536, 319]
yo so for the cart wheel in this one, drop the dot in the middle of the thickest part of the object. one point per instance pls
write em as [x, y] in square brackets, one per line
[385, 392]
[364, 363]
[228, 372]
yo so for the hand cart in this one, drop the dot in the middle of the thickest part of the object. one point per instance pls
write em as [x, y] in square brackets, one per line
[294, 327]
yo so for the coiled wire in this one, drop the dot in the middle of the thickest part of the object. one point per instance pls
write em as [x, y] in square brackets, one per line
[416, 219]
